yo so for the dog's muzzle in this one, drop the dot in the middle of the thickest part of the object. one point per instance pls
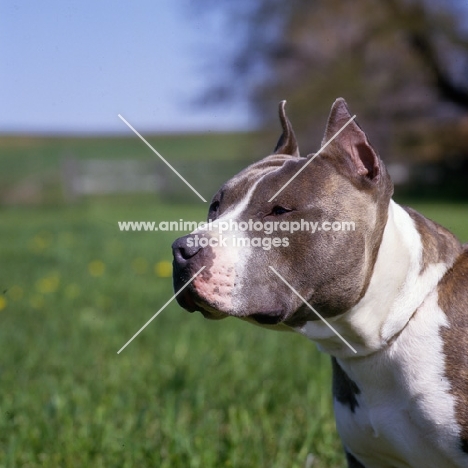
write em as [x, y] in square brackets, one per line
[200, 294]
[184, 254]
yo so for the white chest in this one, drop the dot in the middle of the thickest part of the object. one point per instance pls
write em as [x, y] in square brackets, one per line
[405, 413]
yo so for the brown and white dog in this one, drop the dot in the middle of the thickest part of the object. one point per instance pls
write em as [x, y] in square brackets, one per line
[395, 288]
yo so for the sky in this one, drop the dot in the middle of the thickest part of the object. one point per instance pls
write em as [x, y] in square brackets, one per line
[73, 66]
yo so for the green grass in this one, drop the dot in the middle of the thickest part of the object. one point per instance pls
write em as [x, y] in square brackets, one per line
[186, 393]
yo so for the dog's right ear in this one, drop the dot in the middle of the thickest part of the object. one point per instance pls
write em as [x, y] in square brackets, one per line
[287, 144]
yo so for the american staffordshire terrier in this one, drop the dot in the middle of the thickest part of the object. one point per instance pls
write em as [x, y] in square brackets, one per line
[395, 289]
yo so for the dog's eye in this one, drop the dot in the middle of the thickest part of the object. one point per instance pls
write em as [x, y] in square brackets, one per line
[279, 210]
[214, 206]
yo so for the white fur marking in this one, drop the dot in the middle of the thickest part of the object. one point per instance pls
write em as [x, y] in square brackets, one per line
[232, 256]
[406, 415]
[395, 291]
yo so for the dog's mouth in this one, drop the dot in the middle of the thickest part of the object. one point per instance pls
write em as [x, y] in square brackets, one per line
[186, 300]
[270, 318]
[191, 302]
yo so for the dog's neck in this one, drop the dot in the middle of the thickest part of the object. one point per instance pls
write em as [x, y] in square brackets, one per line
[399, 284]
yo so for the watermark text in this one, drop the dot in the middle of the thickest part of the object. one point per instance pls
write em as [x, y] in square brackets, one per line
[231, 226]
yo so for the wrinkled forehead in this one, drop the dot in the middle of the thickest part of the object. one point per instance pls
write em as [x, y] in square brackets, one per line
[320, 185]
[280, 165]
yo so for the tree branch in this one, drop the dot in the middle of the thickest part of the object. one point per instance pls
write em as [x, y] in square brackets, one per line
[417, 27]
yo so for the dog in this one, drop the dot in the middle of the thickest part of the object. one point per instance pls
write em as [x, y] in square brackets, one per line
[388, 301]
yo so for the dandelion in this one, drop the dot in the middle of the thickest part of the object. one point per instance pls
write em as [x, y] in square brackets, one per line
[48, 284]
[40, 241]
[96, 268]
[163, 269]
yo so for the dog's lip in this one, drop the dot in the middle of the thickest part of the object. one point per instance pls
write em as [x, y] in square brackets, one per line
[212, 315]
[191, 302]
[185, 299]
[270, 318]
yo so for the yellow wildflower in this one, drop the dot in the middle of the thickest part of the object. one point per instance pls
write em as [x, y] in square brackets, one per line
[96, 268]
[163, 269]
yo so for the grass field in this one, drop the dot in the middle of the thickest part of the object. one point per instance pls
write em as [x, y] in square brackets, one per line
[186, 393]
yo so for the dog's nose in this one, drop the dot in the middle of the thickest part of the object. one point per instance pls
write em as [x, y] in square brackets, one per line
[183, 250]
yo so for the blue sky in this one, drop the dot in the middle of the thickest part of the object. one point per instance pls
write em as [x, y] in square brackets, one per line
[72, 66]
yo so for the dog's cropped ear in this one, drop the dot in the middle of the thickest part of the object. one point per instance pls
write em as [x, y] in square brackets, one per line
[353, 141]
[287, 144]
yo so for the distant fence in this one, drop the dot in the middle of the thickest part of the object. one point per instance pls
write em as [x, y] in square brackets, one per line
[85, 177]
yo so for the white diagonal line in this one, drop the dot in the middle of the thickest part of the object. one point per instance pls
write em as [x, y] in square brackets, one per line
[157, 154]
[160, 310]
[313, 157]
[313, 310]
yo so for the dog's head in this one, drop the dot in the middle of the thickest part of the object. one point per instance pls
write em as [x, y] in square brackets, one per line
[254, 254]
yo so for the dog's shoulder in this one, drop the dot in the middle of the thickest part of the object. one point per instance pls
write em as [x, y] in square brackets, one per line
[453, 300]
[439, 244]
[453, 291]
